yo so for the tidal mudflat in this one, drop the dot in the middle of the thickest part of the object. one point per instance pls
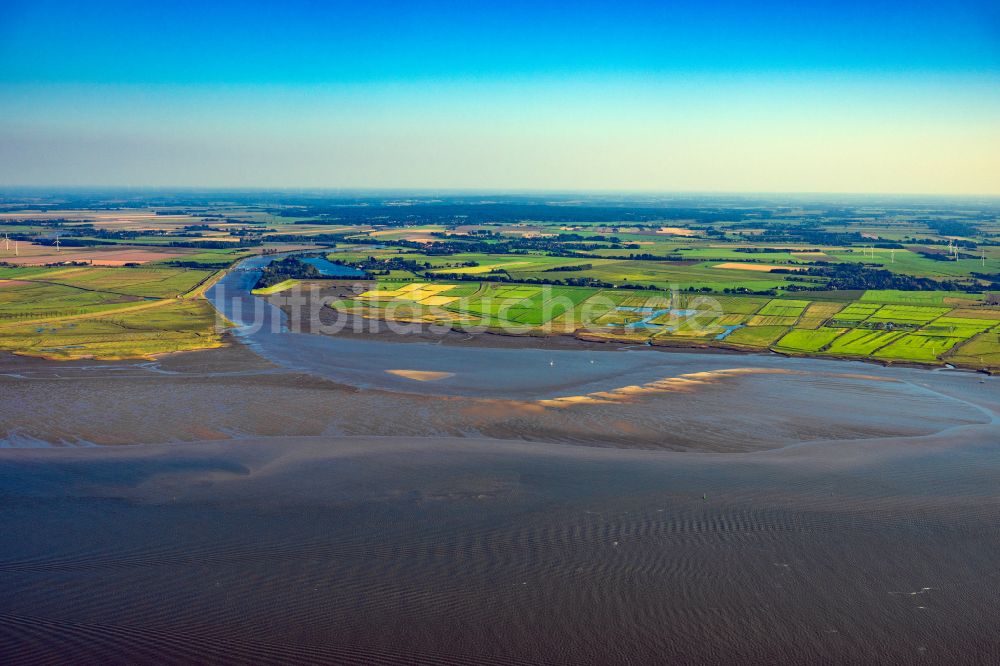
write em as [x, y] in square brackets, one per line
[395, 550]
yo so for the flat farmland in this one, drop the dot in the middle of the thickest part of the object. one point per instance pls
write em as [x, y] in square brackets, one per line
[917, 347]
[160, 282]
[692, 274]
[961, 327]
[99, 255]
[132, 219]
[105, 313]
[910, 262]
[549, 304]
[785, 257]
[818, 313]
[756, 336]
[896, 297]
[181, 325]
[759, 268]
[783, 308]
[808, 340]
[740, 304]
[906, 314]
[22, 298]
[981, 351]
[856, 312]
[861, 342]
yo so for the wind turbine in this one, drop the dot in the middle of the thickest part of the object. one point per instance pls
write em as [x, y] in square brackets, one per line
[57, 242]
[892, 256]
[6, 242]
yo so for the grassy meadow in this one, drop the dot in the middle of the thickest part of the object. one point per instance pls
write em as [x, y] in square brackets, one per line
[105, 313]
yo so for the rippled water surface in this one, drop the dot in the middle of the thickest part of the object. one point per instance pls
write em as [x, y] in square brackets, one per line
[474, 551]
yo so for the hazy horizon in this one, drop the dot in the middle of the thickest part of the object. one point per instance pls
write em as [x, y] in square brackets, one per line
[716, 98]
[430, 193]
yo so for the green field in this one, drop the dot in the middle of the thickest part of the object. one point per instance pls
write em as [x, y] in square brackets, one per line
[740, 304]
[861, 342]
[783, 308]
[982, 351]
[159, 282]
[891, 296]
[756, 336]
[34, 293]
[210, 258]
[178, 325]
[856, 312]
[44, 299]
[818, 313]
[104, 313]
[916, 347]
[551, 303]
[906, 314]
[807, 340]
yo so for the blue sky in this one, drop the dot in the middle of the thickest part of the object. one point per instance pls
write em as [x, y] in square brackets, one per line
[777, 96]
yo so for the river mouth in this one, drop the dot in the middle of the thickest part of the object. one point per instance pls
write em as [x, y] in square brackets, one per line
[522, 372]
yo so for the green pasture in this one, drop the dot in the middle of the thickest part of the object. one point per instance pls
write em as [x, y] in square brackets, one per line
[180, 325]
[43, 299]
[756, 336]
[149, 282]
[917, 347]
[893, 296]
[862, 342]
[981, 351]
[808, 340]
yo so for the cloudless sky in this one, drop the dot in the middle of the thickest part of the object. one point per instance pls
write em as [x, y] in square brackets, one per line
[626, 95]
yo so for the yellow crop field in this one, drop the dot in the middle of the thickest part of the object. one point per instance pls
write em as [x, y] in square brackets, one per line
[438, 300]
[762, 268]
[415, 292]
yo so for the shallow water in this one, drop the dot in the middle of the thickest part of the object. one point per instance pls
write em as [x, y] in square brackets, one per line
[472, 551]
[330, 269]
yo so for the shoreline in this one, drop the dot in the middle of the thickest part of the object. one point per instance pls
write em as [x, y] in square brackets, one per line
[625, 401]
[360, 328]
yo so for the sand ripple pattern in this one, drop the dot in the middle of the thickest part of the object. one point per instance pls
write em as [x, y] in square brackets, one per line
[447, 551]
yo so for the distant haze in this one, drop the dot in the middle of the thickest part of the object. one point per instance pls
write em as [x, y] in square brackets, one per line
[834, 97]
